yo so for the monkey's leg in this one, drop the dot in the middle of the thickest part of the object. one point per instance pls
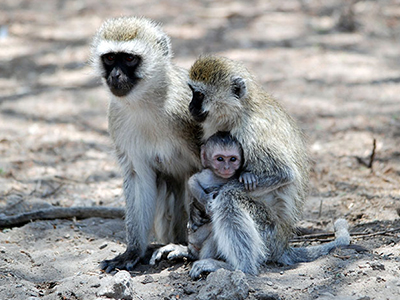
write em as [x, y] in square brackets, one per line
[140, 194]
[235, 234]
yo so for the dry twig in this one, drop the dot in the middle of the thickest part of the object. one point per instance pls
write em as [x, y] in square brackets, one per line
[328, 236]
[371, 157]
[61, 213]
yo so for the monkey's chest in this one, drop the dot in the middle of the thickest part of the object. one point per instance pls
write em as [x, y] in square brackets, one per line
[150, 142]
[166, 154]
[171, 160]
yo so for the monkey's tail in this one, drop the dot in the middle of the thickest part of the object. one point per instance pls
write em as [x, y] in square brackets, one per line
[307, 254]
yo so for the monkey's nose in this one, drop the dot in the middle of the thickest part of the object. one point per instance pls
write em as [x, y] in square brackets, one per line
[115, 74]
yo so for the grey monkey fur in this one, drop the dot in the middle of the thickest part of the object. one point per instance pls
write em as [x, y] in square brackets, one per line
[250, 228]
[156, 140]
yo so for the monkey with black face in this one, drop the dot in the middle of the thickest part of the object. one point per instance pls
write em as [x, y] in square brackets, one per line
[156, 141]
[222, 158]
[226, 97]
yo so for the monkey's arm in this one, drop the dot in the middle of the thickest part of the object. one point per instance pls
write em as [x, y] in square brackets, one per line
[196, 183]
[269, 182]
[271, 173]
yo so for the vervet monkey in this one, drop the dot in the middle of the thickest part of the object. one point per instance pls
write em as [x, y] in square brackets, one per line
[226, 97]
[156, 140]
[222, 158]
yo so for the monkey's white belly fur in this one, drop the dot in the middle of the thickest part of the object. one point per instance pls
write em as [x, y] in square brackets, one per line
[149, 141]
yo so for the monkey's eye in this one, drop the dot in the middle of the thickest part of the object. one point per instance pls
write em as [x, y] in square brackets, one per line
[198, 95]
[220, 158]
[130, 58]
[109, 58]
[233, 159]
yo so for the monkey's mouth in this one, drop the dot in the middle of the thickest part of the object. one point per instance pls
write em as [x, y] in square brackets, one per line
[226, 175]
[197, 112]
[121, 89]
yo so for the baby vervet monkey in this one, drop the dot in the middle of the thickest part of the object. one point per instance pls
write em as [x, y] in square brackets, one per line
[222, 159]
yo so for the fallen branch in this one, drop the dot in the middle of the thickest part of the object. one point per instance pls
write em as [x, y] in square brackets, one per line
[61, 213]
[328, 236]
[383, 232]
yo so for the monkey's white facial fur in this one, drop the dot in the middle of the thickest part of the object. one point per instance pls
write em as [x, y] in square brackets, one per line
[129, 53]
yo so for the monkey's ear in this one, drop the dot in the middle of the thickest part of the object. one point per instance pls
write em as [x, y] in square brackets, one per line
[239, 87]
[203, 156]
[165, 45]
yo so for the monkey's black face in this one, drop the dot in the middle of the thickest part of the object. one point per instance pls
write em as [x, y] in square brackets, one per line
[196, 106]
[121, 72]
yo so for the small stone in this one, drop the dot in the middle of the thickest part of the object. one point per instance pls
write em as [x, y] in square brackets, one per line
[147, 279]
[189, 290]
[378, 266]
[120, 286]
[225, 285]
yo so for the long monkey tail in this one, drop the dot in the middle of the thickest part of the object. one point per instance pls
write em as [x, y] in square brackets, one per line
[307, 254]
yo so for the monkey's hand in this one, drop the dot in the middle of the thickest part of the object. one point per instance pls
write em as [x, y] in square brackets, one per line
[124, 261]
[206, 266]
[171, 252]
[249, 180]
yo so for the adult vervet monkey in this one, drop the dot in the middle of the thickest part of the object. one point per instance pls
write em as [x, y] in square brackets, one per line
[253, 227]
[226, 97]
[156, 140]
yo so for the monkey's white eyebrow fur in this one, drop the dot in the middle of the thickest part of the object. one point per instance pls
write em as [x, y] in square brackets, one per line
[137, 46]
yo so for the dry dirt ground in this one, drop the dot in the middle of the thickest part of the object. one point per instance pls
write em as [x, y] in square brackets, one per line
[339, 77]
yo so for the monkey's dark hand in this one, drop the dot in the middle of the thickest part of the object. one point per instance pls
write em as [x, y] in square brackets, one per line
[249, 180]
[124, 261]
[171, 251]
[206, 266]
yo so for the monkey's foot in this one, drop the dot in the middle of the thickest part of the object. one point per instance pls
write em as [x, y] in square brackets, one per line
[124, 261]
[171, 251]
[206, 266]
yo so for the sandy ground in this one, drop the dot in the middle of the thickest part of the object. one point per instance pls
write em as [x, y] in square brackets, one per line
[342, 87]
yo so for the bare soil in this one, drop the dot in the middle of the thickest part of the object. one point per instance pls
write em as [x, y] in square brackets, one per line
[337, 73]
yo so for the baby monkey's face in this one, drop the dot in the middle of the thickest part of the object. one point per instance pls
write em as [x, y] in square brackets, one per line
[225, 162]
